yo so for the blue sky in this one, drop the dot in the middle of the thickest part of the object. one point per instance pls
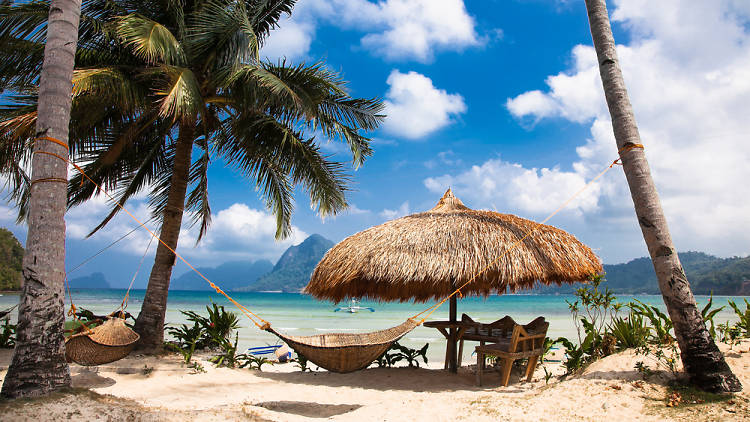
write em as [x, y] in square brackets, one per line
[501, 100]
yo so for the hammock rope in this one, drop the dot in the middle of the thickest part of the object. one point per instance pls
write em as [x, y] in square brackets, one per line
[344, 344]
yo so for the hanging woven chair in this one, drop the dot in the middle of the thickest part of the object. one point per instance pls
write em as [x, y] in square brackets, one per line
[346, 352]
[106, 343]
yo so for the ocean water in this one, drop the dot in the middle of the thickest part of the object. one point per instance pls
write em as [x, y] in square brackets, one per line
[298, 314]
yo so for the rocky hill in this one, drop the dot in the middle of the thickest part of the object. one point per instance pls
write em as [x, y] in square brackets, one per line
[292, 272]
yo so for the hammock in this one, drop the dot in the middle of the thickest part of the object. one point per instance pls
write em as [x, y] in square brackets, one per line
[106, 343]
[345, 352]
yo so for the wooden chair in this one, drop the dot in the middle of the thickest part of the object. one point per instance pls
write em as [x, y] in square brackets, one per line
[484, 333]
[525, 341]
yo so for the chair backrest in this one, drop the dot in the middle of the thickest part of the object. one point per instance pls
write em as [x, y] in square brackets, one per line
[503, 327]
[529, 337]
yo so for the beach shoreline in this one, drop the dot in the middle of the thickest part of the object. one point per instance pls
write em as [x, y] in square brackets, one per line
[162, 388]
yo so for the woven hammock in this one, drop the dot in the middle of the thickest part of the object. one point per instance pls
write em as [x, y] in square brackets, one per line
[106, 343]
[346, 352]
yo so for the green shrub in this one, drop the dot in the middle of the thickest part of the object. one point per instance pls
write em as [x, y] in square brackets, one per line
[630, 331]
[396, 353]
[661, 325]
[744, 323]
[8, 335]
[708, 315]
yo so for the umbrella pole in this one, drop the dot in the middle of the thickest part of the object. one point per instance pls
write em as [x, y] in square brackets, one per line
[453, 363]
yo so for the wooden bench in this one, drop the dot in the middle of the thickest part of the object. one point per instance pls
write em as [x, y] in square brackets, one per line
[525, 341]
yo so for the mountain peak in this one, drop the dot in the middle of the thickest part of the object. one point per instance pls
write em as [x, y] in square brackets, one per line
[292, 272]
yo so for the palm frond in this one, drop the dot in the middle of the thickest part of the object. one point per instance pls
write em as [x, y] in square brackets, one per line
[197, 201]
[223, 31]
[111, 85]
[181, 98]
[149, 40]
[266, 15]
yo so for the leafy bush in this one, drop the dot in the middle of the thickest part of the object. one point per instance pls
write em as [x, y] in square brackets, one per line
[397, 353]
[302, 362]
[217, 326]
[630, 331]
[744, 323]
[661, 325]
[251, 361]
[708, 315]
[227, 352]
[8, 335]
[186, 339]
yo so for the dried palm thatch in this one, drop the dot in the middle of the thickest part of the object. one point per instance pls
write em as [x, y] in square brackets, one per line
[425, 256]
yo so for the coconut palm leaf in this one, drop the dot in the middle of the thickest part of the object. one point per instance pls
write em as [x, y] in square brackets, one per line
[149, 40]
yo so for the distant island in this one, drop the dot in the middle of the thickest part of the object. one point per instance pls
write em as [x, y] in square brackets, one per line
[91, 281]
[706, 273]
[229, 275]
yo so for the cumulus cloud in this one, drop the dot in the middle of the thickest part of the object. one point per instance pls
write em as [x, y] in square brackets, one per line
[236, 233]
[687, 69]
[415, 108]
[393, 29]
[397, 213]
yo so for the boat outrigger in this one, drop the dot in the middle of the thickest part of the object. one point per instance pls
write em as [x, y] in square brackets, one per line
[353, 307]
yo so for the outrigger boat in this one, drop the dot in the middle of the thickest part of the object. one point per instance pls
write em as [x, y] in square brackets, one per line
[353, 307]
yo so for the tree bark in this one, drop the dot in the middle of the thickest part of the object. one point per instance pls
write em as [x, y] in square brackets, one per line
[701, 359]
[150, 322]
[38, 365]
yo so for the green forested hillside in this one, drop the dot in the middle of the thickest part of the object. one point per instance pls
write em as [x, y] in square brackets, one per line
[11, 255]
[292, 272]
[706, 273]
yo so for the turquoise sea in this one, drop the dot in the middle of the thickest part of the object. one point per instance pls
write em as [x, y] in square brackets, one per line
[298, 314]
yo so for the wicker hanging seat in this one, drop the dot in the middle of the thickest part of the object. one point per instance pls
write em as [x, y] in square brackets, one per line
[345, 352]
[106, 343]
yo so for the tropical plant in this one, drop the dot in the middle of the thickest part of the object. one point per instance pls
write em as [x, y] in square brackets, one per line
[227, 352]
[156, 81]
[218, 325]
[701, 357]
[252, 362]
[661, 325]
[8, 335]
[744, 323]
[708, 315]
[38, 365]
[397, 353]
[185, 339]
[630, 332]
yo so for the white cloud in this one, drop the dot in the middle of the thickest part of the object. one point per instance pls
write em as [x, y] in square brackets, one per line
[397, 213]
[237, 232]
[291, 40]
[687, 69]
[393, 29]
[415, 108]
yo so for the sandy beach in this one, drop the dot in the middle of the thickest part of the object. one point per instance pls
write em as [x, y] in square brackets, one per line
[161, 388]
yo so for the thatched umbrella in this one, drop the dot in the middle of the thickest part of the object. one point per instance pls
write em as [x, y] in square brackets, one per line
[426, 256]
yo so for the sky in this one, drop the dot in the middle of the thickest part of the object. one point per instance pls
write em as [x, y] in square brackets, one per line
[502, 102]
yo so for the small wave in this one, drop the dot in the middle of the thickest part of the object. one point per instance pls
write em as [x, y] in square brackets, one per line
[288, 328]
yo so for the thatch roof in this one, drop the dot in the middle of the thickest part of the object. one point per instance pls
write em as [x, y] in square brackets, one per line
[425, 256]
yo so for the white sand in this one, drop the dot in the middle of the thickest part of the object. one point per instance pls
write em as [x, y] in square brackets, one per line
[162, 389]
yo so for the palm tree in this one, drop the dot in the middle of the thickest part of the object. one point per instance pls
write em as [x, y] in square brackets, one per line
[157, 81]
[38, 365]
[701, 358]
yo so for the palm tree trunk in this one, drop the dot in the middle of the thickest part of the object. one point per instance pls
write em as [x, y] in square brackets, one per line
[150, 322]
[38, 365]
[701, 359]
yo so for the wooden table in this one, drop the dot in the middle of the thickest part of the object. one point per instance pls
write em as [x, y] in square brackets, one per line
[453, 331]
